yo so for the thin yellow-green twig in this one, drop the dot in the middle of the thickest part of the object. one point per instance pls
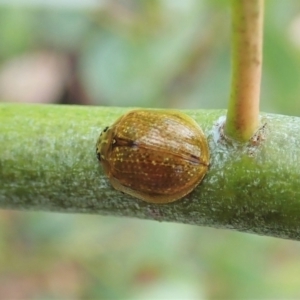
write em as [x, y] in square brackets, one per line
[247, 27]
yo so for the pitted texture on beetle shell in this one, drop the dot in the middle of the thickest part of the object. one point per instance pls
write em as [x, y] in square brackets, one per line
[156, 156]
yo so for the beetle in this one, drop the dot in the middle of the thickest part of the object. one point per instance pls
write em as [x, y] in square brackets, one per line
[158, 156]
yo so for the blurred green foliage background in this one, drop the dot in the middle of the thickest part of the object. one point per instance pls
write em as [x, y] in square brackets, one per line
[150, 53]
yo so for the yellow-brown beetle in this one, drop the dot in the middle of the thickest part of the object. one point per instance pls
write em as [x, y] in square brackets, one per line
[156, 156]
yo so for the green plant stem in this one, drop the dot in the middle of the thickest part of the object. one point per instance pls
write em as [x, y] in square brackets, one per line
[48, 163]
[247, 35]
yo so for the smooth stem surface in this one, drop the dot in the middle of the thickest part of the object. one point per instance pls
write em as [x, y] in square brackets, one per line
[48, 162]
[247, 35]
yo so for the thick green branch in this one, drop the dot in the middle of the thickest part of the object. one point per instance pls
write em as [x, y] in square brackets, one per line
[243, 110]
[48, 162]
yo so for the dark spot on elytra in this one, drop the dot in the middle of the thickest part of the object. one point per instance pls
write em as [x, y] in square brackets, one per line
[134, 144]
[121, 142]
[194, 159]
